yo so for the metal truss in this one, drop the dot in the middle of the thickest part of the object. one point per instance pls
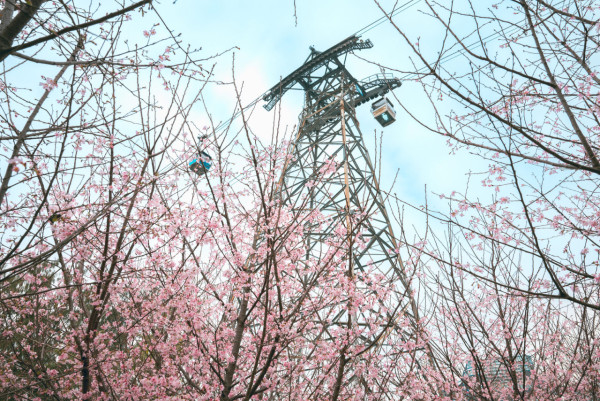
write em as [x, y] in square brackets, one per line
[349, 194]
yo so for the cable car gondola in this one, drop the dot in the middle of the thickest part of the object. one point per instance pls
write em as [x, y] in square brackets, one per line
[201, 164]
[383, 111]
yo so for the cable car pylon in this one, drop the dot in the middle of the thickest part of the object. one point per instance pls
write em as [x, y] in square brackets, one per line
[349, 196]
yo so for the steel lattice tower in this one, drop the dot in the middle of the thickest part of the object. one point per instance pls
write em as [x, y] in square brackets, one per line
[330, 131]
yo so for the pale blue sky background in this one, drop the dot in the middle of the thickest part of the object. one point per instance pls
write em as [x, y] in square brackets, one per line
[272, 46]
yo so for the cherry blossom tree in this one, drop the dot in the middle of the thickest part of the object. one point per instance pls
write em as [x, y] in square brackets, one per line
[527, 103]
[516, 278]
[126, 275]
[85, 149]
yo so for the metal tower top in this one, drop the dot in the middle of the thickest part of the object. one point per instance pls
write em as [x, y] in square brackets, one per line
[367, 89]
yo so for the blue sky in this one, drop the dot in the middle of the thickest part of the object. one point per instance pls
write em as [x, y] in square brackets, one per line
[271, 45]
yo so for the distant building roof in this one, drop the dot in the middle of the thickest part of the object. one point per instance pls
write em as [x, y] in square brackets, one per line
[495, 373]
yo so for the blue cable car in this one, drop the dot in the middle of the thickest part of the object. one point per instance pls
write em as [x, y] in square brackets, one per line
[201, 164]
[383, 111]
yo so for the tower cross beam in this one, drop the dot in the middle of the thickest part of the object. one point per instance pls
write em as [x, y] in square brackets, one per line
[315, 61]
